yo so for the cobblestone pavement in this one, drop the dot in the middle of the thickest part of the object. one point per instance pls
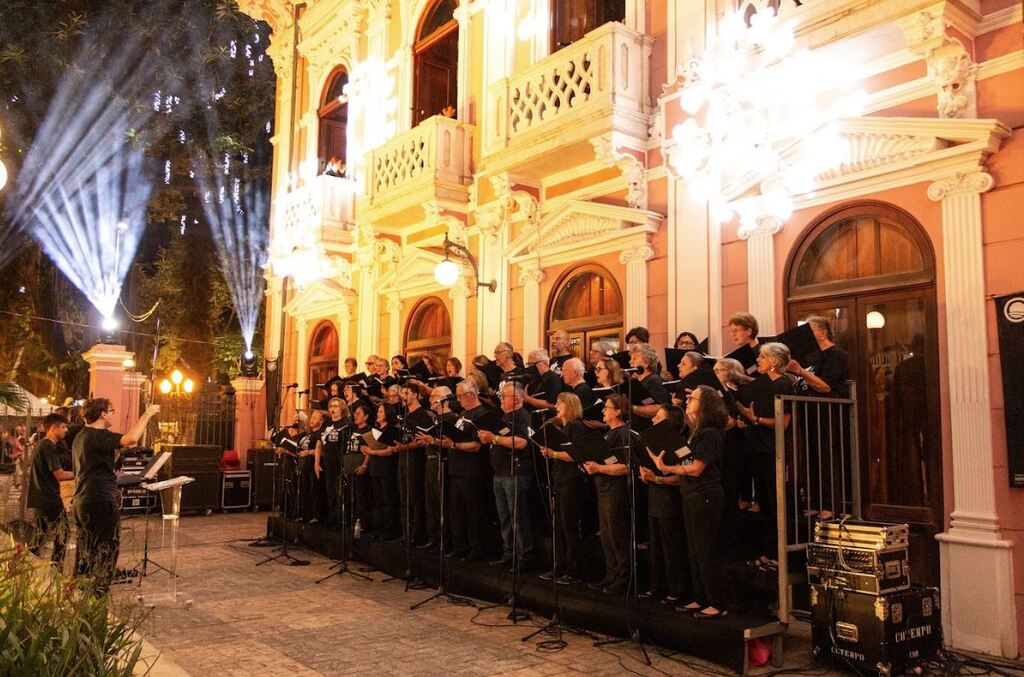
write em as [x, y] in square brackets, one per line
[274, 620]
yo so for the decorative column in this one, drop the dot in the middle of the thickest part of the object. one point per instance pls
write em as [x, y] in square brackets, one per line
[978, 610]
[106, 374]
[459, 295]
[462, 15]
[368, 319]
[394, 307]
[635, 259]
[761, 272]
[530, 277]
[250, 415]
[301, 353]
[272, 332]
[344, 320]
[492, 309]
[692, 255]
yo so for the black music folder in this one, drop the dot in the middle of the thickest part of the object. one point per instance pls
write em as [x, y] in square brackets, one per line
[552, 436]
[639, 395]
[801, 343]
[663, 437]
[746, 356]
[592, 447]
[622, 357]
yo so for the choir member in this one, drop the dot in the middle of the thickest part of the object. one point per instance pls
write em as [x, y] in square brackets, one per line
[613, 504]
[830, 372]
[743, 329]
[737, 482]
[543, 390]
[382, 470]
[567, 486]
[686, 341]
[327, 457]
[644, 358]
[312, 501]
[572, 376]
[412, 465]
[440, 404]
[467, 471]
[599, 350]
[702, 497]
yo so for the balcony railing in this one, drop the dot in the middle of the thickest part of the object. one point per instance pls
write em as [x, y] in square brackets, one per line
[432, 160]
[325, 203]
[596, 85]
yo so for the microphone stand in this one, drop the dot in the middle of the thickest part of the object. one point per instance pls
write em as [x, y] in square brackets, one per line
[267, 541]
[341, 566]
[554, 626]
[442, 588]
[291, 561]
[632, 593]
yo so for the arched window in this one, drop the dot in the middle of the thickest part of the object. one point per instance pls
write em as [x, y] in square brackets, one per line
[323, 354]
[870, 269]
[333, 114]
[435, 87]
[572, 19]
[428, 330]
[587, 304]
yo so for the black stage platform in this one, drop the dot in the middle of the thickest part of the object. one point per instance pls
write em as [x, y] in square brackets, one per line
[721, 640]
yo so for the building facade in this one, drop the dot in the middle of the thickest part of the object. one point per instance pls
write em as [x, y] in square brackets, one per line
[549, 137]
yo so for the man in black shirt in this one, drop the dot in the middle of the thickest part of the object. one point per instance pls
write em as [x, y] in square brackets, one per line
[561, 350]
[512, 463]
[544, 389]
[327, 458]
[94, 452]
[572, 376]
[412, 465]
[44, 488]
[467, 471]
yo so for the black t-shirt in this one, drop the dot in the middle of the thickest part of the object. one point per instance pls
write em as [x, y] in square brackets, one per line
[549, 384]
[833, 367]
[385, 466]
[44, 489]
[93, 453]
[618, 439]
[501, 456]
[761, 438]
[707, 445]
[653, 384]
[333, 437]
[585, 394]
[567, 471]
[468, 463]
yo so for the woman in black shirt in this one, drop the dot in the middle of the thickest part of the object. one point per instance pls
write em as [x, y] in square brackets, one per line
[702, 496]
[382, 468]
[567, 485]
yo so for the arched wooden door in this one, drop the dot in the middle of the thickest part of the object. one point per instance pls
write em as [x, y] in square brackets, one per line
[587, 304]
[323, 354]
[870, 269]
[435, 87]
[333, 115]
[429, 330]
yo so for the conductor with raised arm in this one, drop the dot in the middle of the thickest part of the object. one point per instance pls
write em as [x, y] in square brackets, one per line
[97, 514]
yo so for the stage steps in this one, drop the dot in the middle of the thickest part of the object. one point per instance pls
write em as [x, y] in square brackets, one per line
[722, 641]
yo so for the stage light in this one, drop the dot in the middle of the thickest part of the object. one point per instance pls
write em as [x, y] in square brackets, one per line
[165, 386]
[177, 377]
[188, 386]
[248, 365]
[875, 320]
[109, 324]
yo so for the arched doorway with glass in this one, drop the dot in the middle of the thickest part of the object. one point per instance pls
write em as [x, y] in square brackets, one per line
[428, 330]
[323, 354]
[587, 304]
[435, 87]
[870, 269]
[333, 115]
[572, 19]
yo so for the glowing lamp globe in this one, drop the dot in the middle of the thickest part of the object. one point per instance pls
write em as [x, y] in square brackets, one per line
[165, 386]
[44, 400]
[177, 377]
[446, 273]
[875, 320]
[3, 176]
[188, 386]
[128, 363]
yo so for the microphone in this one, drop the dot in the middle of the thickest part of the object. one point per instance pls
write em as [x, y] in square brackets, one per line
[291, 385]
[631, 370]
[303, 392]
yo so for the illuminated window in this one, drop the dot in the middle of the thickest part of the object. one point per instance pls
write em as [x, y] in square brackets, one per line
[587, 304]
[437, 61]
[429, 330]
[333, 114]
[323, 354]
[572, 19]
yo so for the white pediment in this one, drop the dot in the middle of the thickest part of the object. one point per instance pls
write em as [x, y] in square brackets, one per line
[323, 298]
[412, 275]
[884, 152]
[577, 229]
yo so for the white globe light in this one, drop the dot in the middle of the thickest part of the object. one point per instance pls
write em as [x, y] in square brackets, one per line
[875, 320]
[446, 273]
[3, 175]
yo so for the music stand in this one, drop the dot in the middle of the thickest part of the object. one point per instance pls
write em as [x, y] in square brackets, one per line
[170, 507]
[148, 474]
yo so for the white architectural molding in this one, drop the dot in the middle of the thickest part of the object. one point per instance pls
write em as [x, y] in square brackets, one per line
[302, 353]
[394, 308]
[576, 230]
[977, 616]
[951, 70]
[320, 299]
[610, 153]
[530, 277]
[761, 272]
[459, 295]
[635, 259]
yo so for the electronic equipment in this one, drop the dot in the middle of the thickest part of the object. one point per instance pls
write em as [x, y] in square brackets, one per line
[134, 498]
[861, 534]
[865, 570]
[884, 634]
[236, 489]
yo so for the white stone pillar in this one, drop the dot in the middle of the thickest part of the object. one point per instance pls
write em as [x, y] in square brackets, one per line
[272, 335]
[302, 353]
[394, 308]
[459, 295]
[689, 256]
[462, 15]
[976, 569]
[530, 277]
[344, 318]
[492, 308]
[369, 316]
[635, 259]
[761, 272]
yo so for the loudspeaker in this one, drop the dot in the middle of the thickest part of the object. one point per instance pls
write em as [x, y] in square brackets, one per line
[262, 463]
[202, 463]
[236, 489]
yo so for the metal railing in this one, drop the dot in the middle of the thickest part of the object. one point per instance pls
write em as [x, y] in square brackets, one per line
[817, 466]
[205, 417]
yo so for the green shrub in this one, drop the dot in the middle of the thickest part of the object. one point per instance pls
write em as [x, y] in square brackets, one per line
[52, 624]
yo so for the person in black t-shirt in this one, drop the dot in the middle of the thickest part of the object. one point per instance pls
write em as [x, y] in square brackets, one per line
[567, 486]
[543, 391]
[645, 358]
[382, 469]
[572, 376]
[412, 465]
[97, 513]
[467, 470]
[327, 458]
[512, 463]
[830, 372]
[703, 497]
[613, 505]
[44, 488]
[311, 496]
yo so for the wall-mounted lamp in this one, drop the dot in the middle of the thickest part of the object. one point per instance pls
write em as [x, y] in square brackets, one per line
[447, 271]
[875, 320]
